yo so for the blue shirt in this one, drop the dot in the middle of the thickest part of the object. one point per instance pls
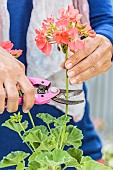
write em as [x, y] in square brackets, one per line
[101, 17]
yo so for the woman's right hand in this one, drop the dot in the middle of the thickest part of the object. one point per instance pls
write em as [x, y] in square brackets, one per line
[12, 74]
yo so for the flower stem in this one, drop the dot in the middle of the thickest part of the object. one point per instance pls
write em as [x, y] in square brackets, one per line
[26, 142]
[31, 119]
[22, 137]
[29, 114]
[66, 112]
[67, 84]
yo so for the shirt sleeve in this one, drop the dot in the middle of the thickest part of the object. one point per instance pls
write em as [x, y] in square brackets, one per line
[101, 17]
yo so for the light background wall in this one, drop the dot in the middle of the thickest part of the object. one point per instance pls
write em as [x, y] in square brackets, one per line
[100, 94]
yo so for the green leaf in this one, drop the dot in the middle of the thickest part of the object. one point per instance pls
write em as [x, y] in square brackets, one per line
[44, 158]
[92, 165]
[56, 132]
[61, 156]
[61, 121]
[88, 164]
[48, 144]
[21, 166]
[75, 136]
[14, 158]
[42, 128]
[15, 126]
[73, 163]
[47, 118]
[33, 165]
[75, 153]
[32, 157]
[34, 135]
[55, 158]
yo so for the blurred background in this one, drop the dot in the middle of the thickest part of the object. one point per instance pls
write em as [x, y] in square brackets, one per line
[100, 95]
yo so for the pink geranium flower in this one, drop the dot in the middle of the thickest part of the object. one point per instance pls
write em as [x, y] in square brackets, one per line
[42, 43]
[61, 37]
[47, 22]
[73, 32]
[71, 14]
[16, 53]
[8, 47]
[67, 31]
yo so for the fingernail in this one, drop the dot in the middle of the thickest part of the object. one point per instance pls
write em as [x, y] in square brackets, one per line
[69, 65]
[71, 73]
[25, 111]
[73, 82]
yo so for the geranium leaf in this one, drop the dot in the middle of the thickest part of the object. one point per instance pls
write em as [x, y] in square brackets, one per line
[32, 157]
[34, 135]
[44, 158]
[73, 163]
[92, 165]
[47, 118]
[75, 136]
[33, 165]
[14, 158]
[61, 121]
[61, 156]
[42, 128]
[75, 153]
[48, 144]
[54, 158]
[15, 126]
[21, 166]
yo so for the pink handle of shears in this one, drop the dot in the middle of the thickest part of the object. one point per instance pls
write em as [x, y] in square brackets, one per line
[42, 98]
[35, 81]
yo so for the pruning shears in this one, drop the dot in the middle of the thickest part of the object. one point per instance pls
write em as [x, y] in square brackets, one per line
[45, 92]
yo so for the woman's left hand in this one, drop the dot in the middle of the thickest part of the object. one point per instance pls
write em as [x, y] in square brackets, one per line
[94, 59]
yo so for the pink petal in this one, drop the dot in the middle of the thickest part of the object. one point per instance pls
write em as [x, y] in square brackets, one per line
[70, 8]
[7, 45]
[65, 38]
[47, 49]
[15, 53]
[40, 43]
[74, 12]
[61, 11]
[78, 17]
[57, 37]
[72, 32]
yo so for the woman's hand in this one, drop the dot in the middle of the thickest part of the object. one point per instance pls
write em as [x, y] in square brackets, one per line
[12, 76]
[94, 59]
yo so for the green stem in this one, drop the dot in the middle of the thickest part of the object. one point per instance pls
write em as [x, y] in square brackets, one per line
[49, 129]
[26, 143]
[29, 114]
[67, 96]
[67, 84]
[31, 119]
[22, 138]
[62, 137]
[22, 126]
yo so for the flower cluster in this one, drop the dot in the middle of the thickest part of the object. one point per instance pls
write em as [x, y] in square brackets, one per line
[8, 47]
[67, 29]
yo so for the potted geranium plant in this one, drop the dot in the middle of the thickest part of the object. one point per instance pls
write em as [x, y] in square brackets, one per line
[48, 144]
